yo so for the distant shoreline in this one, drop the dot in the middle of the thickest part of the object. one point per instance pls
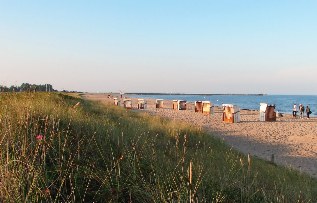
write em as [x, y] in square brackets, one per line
[193, 94]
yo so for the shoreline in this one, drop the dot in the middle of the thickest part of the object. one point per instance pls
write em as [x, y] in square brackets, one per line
[284, 103]
[194, 94]
[292, 141]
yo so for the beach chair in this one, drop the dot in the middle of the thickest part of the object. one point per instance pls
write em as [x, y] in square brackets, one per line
[231, 113]
[142, 104]
[159, 103]
[267, 112]
[127, 103]
[182, 105]
[199, 106]
[206, 107]
[175, 104]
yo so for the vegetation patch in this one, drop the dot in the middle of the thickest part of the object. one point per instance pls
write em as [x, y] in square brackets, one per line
[59, 148]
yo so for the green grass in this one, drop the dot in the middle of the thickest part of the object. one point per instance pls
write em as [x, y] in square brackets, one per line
[103, 153]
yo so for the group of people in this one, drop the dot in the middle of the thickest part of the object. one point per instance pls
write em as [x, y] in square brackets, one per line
[302, 110]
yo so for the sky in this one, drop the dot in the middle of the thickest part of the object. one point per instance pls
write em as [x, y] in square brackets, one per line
[170, 46]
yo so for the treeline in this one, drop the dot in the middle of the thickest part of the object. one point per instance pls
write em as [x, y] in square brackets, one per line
[26, 87]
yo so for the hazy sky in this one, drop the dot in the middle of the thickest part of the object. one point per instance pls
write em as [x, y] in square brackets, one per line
[218, 46]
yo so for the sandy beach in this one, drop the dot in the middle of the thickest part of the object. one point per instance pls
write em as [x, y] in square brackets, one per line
[292, 141]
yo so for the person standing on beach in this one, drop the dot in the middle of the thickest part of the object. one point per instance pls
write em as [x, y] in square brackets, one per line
[301, 110]
[294, 111]
[308, 112]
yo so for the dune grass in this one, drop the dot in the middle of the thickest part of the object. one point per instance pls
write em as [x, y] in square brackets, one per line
[57, 148]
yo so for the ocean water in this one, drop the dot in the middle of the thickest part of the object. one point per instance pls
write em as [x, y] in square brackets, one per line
[283, 103]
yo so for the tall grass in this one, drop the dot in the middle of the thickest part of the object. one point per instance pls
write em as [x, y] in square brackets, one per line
[57, 148]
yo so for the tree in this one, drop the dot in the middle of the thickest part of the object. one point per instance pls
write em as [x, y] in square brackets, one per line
[26, 87]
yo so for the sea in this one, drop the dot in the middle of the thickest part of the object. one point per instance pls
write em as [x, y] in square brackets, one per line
[283, 103]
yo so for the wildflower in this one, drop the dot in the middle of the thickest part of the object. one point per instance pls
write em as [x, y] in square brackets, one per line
[39, 137]
[46, 192]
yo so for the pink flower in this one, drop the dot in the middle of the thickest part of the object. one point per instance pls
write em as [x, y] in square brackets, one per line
[39, 137]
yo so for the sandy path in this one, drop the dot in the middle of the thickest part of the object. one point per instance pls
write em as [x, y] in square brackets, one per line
[292, 141]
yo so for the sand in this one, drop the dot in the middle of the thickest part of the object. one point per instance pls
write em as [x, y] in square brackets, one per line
[292, 141]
